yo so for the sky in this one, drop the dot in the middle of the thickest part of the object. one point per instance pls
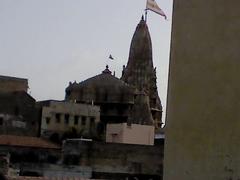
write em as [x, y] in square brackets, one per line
[53, 42]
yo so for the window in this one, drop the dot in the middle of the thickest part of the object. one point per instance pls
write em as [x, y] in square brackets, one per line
[1, 121]
[16, 111]
[66, 118]
[58, 116]
[48, 120]
[83, 120]
[76, 118]
[92, 121]
[66, 121]
[103, 110]
[105, 96]
[137, 166]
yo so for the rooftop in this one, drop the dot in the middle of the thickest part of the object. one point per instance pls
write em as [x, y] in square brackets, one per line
[12, 78]
[45, 178]
[25, 141]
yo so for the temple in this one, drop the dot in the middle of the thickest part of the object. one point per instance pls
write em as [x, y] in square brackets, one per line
[140, 72]
[132, 99]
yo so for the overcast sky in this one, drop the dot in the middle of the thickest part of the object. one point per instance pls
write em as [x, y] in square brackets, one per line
[52, 42]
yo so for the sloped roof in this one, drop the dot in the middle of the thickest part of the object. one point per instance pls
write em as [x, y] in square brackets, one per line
[45, 178]
[25, 141]
[12, 78]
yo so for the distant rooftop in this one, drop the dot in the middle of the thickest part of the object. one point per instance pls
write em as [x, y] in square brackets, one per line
[46, 178]
[48, 102]
[12, 78]
[12, 84]
[25, 141]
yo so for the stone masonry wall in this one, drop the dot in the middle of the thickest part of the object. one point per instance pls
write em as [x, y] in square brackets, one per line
[110, 159]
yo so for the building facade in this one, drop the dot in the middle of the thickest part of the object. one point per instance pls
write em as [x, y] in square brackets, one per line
[115, 161]
[18, 114]
[30, 156]
[27, 156]
[59, 118]
[130, 134]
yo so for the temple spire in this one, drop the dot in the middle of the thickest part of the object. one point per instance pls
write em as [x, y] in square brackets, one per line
[140, 65]
[140, 72]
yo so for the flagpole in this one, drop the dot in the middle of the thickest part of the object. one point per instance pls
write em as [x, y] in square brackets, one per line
[146, 15]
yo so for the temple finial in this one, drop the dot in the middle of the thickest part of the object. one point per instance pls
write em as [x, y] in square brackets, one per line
[107, 71]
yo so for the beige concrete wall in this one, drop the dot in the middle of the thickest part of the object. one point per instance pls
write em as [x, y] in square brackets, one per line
[132, 134]
[203, 111]
[72, 109]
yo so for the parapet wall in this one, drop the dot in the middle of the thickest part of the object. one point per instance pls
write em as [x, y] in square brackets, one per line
[111, 159]
[11, 84]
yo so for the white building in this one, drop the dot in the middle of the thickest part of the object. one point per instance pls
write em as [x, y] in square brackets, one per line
[130, 134]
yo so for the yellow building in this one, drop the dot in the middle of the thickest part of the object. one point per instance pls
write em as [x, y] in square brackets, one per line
[59, 117]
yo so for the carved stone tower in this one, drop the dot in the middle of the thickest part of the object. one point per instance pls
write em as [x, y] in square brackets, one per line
[140, 72]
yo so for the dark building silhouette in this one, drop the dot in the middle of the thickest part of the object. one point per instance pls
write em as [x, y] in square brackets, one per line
[18, 112]
[12, 84]
[114, 97]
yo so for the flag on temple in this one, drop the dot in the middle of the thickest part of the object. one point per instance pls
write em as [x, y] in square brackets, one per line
[152, 5]
[110, 57]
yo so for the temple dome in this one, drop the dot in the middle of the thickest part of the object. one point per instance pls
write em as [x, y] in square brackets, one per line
[101, 88]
